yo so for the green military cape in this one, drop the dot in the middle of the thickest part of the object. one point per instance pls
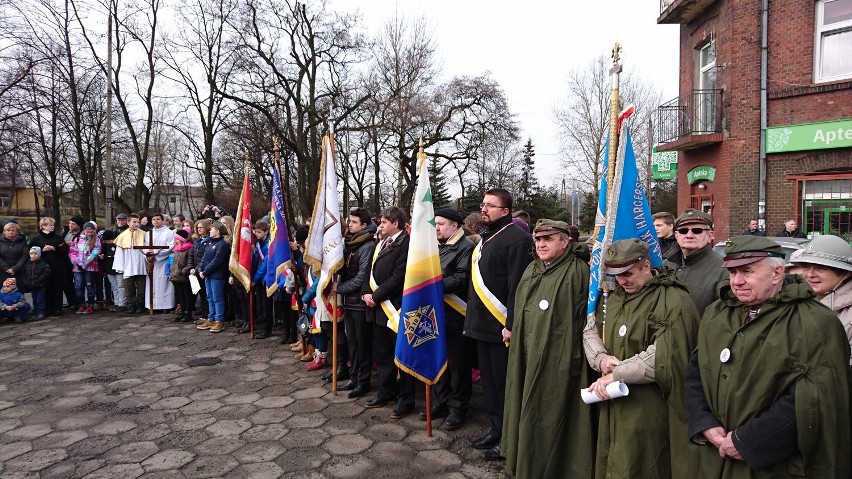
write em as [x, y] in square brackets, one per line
[794, 339]
[547, 430]
[645, 434]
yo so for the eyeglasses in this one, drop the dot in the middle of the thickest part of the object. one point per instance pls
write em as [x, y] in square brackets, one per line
[489, 205]
[695, 231]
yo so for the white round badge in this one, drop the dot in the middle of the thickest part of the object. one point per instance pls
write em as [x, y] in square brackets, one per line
[725, 355]
[543, 304]
[622, 330]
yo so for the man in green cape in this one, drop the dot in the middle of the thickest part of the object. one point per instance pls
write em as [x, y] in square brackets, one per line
[648, 330]
[547, 430]
[767, 388]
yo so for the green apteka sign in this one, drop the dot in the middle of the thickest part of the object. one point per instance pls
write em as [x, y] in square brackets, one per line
[810, 136]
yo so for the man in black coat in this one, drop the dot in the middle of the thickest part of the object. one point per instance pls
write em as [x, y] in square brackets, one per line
[358, 253]
[499, 262]
[451, 393]
[382, 293]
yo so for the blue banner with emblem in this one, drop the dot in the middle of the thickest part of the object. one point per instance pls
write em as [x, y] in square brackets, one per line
[421, 344]
[622, 214]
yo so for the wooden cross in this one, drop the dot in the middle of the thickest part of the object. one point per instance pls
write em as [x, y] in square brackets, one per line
[150, 268]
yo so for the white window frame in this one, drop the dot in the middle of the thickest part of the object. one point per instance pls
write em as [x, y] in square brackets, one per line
[819, 31]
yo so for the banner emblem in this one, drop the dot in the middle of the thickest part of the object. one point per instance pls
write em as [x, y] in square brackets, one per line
[421, 325]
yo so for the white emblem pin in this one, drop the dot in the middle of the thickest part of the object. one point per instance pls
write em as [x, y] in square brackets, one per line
[543, 304]
[725, 355]
[622, 330]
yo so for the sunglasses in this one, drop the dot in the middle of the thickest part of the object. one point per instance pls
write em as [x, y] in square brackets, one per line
[695, 231]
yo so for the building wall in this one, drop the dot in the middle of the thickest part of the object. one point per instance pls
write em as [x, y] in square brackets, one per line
[793, 99]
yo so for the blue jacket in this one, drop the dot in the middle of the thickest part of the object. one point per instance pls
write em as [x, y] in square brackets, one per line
[259, 260]
[214, 263]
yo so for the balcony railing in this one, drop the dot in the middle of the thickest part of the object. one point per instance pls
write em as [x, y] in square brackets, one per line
[683, 119]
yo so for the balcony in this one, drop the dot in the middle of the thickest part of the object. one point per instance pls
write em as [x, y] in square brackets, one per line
[691, 121]
[682, 11]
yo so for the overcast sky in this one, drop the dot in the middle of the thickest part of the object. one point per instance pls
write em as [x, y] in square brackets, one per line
[529, 47]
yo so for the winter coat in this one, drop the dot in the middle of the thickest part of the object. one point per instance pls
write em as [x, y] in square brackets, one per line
[780, 383]
[13, 254]
[179, 271]
[840, 301]
[214, 263]
[506, 252]
[455, 269]
[358, 254]
[388, 269]
[35, 275]
[84, 258]
[546, 350]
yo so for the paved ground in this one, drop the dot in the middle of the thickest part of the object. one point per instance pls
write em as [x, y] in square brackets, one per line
[110, 396]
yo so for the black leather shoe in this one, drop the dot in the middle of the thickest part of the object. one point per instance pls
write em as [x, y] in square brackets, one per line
[486, 442]
[493, 454]
[349, 386]
[376, 402]
[454, 421]
[357, 392]
[401, 412]
[440, 410]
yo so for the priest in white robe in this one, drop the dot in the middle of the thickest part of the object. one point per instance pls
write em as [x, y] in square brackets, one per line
[164, 294]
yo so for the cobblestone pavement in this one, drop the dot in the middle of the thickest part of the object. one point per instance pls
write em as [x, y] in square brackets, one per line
[110, 396]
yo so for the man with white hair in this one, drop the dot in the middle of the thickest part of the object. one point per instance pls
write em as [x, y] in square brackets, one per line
[768, 384]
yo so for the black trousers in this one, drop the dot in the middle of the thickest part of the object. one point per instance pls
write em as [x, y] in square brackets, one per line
[454, 387]
[359, 335]
[493, 362]
[384, 344]
[262, 308]
[183, 296]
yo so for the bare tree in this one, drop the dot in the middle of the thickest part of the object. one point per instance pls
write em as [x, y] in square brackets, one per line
[200, 61]
[583, 119]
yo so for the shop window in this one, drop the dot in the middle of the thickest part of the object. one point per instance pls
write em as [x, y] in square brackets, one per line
[826, 206]
[833, 40]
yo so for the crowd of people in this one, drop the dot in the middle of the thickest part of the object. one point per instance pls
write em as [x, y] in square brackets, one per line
[737, 366]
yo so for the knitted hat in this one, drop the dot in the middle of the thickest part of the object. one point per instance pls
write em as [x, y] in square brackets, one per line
[78, 220]
[35, 250]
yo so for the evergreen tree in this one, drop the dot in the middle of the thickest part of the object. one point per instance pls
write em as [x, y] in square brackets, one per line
[440, 192]
[529, 183]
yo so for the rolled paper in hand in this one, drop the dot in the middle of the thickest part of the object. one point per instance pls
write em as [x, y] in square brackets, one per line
[615, 389]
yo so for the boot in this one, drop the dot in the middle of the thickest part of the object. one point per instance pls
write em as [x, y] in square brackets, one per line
[309, 354]
[318, 362]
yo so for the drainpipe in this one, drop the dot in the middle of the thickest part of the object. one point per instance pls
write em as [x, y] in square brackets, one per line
[761, 199]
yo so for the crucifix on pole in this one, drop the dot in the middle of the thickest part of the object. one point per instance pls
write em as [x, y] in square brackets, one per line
[150, 250]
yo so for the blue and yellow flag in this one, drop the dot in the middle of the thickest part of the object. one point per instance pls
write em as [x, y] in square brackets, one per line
[623, 214]
[279, 255]
[421, 347]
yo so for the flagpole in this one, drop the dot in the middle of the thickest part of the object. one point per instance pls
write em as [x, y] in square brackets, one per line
[334, 342]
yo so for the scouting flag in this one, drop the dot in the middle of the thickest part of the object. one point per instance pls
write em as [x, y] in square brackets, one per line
[628, 214]
[421, 347]
[279, 256]
[324, 245]
[242, 239]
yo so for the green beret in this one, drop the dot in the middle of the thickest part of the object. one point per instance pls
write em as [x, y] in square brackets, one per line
[691, 215]
[746, 249]
[623, 254]
[545, 227]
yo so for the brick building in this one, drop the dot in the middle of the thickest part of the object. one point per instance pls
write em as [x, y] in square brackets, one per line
[799, 86]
